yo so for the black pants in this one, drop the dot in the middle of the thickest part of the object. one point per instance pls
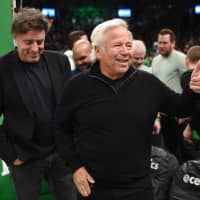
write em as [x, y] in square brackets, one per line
[27, 179]
[172, 132]
[106, 193]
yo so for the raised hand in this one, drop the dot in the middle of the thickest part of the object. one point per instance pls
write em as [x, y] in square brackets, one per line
[195, 78]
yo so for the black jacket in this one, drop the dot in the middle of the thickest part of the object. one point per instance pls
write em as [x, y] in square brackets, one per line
[195, 120]
[109, 130]
[15, 103]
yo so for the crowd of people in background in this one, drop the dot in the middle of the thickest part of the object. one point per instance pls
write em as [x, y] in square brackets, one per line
[97, 129]
[57, 38]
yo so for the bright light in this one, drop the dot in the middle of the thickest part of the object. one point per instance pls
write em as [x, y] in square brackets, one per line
[124, 12]
[197, 9]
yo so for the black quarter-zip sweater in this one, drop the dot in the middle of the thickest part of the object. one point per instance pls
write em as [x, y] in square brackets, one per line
[107, 125]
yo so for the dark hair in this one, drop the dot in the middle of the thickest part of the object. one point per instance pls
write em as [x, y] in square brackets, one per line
[29, 19]
[167, 31]
[193, 54]
[74, 36]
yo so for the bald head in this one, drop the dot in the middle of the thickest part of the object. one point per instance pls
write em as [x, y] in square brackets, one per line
[82, 51]
[138, 53]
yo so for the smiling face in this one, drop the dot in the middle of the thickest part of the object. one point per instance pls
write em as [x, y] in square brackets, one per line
[138, 57]
[82, 54]
[30, 45]
[115, 53]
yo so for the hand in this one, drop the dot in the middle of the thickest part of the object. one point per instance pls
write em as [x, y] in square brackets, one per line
[18, 162]
[156, 126]
[82, 180]
[183, 120]
[195, 78]
[187, 134]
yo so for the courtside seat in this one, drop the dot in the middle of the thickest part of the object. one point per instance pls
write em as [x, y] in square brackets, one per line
[163, 168]
[186, 182]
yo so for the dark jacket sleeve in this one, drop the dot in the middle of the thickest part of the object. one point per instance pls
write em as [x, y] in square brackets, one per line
[174, 104]
[65, 136]
[185, 79]
[7, 152]
[195, 119]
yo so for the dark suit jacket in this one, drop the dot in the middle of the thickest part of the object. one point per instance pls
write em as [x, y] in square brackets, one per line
[18, 127]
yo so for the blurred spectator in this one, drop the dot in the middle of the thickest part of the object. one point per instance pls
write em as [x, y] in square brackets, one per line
[168, 66]
[191, 134]
[72, 38]
[139, 52]
[83, 55]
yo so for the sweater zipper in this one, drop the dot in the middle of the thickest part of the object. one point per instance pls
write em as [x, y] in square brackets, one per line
[102, 80]
[113, 88]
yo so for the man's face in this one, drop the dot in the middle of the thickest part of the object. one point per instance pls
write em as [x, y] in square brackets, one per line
[138, 58]
[116, 52]
[165, 45]
[82, 57]
[30, 45]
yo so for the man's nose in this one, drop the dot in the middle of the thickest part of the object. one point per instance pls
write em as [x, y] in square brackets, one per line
[35, 46]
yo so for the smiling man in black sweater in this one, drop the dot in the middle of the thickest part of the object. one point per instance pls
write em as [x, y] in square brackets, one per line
[105, 119]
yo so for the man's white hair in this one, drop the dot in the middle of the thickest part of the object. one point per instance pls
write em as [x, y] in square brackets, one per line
[138, 45]
[97, 34]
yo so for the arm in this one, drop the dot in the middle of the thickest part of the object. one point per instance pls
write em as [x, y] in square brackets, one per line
[7, 152]
[66, 139]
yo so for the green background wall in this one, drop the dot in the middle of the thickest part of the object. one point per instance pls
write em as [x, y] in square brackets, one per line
[6, 42]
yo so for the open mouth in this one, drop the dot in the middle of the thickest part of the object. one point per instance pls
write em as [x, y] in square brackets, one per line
[123, 61]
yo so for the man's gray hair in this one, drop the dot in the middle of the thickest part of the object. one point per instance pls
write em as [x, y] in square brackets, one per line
[97, 34]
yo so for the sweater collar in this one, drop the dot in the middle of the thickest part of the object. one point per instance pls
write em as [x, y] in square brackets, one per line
[95, 71]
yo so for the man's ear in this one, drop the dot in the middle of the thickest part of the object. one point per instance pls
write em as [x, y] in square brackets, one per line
[97, 52]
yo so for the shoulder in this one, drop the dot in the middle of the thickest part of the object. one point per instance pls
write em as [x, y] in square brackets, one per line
[54, 54]
[7, 60]
[79, 78]
[145, 68]
[146, 75]
[57, 58]
[156, 59]
[179, 54]
[7, 57]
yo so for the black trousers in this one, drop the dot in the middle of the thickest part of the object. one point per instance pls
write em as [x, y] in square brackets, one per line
[27, 179]
[172, 135]
[125, 193]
